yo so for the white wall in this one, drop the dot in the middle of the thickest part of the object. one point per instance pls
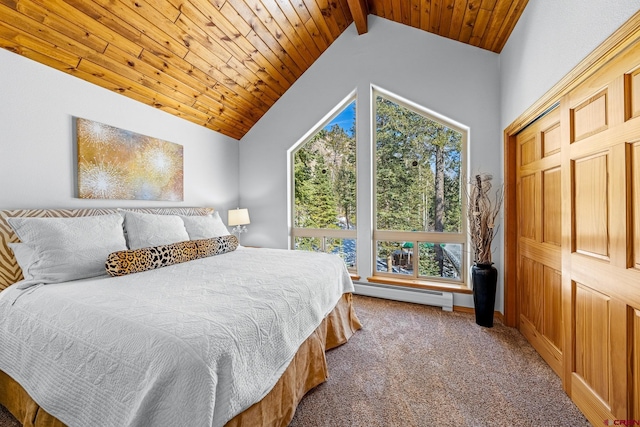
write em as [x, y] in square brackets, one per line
[37, 163]
[450, 78]
[550, 38]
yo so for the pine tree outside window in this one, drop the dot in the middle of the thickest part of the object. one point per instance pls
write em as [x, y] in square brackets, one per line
[419, 231]
[324, 188]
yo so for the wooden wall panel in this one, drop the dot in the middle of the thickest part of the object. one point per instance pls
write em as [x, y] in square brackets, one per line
[635, 202]
[635, 364]
[541, 310]
[528, 207]
[529, 152]
[524, 274]
[590, 201]
[590, 117]
[533, 304]
[531, 290]
[633, 93]
[551, 140]
[552, 327]
[592, 344]
[551, 204]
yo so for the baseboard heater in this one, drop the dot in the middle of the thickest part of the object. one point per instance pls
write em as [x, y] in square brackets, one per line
[419, 296]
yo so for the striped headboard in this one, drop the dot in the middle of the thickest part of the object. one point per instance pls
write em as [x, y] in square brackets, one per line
[10, 273]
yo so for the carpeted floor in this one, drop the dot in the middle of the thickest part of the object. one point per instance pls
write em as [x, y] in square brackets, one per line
[414, 365]
[6, 420]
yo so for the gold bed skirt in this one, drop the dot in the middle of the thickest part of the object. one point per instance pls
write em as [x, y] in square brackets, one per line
[307, 370]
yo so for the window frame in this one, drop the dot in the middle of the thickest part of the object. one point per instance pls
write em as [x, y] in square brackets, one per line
[322, 233]
[417, 237]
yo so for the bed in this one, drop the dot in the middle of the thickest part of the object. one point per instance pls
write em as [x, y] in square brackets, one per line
[234, 338]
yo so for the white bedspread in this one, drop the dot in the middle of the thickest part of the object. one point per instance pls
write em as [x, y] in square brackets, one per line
[192, 344]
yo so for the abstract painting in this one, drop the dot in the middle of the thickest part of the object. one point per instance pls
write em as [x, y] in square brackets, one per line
[119, 164]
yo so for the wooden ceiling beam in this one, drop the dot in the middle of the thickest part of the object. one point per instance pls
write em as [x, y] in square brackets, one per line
[359, 12]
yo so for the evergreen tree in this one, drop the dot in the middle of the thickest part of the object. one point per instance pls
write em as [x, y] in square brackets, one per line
[418, 177]
[325, 184]
[322, 212]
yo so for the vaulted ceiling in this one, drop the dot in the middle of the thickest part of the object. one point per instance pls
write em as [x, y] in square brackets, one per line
[221, 63]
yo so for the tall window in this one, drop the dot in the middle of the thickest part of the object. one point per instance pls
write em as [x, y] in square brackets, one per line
[324, 208]
[419, 228]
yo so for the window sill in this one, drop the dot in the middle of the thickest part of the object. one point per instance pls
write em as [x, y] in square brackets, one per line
[354, 276]
[421, 284]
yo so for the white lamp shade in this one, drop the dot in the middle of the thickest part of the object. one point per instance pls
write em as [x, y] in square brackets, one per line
[238, 217]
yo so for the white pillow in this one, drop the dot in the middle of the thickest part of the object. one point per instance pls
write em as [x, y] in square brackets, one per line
[24, 255]
[205, 227]
[146, 230]
[57, 250]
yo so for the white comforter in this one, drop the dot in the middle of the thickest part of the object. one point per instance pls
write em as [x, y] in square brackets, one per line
[192, 344]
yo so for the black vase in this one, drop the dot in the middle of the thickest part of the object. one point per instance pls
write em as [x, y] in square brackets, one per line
[484, 278]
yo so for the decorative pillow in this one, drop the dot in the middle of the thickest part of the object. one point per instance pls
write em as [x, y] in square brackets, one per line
[24, 255]
[217, 245]
[204, 227]
[63, 249]
[147, 230]
[136, 260]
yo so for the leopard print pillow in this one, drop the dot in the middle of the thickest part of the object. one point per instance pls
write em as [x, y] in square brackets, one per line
[136, 260]
[216, 245]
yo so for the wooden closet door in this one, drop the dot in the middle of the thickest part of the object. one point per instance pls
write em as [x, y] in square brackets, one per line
[574, 220]
[539, 229]
[601, 281]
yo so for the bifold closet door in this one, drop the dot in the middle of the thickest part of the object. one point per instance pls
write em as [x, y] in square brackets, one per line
[601, 245]
[539, 178]
[577, 230]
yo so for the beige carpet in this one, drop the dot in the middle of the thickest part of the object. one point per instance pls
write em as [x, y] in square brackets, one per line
[413, 365]
[6, 420]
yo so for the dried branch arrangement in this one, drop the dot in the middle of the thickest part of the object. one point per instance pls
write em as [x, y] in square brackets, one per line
[482, 213]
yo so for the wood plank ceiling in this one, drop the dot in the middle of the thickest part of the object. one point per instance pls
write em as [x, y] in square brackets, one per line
[221, 63]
